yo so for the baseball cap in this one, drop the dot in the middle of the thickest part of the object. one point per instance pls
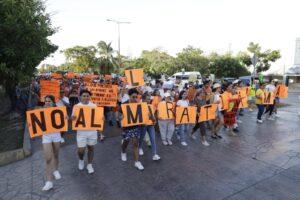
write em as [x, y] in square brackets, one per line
[167, 94]
[216, 85]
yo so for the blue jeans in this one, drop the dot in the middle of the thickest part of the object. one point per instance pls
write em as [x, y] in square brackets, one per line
[183, 129]
[261, 109]
[151, 131]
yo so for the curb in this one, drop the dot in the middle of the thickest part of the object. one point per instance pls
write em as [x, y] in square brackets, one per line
[18, 154]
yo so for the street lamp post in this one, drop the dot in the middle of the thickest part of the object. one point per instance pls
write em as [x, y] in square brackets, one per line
[119, 43]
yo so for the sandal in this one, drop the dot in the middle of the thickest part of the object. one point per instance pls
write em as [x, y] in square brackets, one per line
[214, 137]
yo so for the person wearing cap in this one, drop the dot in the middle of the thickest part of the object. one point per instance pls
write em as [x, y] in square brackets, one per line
[219, 120]
[166, 126]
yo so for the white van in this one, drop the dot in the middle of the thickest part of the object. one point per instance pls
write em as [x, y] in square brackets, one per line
[186, 77]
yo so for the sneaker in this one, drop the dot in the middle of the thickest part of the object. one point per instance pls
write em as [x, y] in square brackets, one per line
[62, 140]
[259, 121]
[139, 165]
[233, 134]
[239, 121]
[205, 143]
[81, 164]
[141, 152]
[250, 109]
[271, 118]
[156, 157]
[170, 142]
[123, 156]
[48, 186]
[183, 143]
[102, 137]
[193, 136]
[236, 130]
[90, 168]
[165, 142]
[56, 175]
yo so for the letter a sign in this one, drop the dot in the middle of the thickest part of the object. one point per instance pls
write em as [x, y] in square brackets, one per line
[135, 77]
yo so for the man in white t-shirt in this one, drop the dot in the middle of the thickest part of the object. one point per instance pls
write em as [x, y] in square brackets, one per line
[85, 138]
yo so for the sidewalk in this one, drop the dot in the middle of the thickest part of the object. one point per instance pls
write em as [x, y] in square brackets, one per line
[263, 163]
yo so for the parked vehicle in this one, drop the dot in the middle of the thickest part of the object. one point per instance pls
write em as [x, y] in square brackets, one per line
[185, 77]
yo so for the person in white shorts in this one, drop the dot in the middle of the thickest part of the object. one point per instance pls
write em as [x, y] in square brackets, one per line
[51, 145]
[85, 138]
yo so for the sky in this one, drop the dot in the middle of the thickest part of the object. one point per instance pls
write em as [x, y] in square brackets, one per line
[212, 25]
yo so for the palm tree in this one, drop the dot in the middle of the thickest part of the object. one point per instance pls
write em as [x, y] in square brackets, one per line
[108, 63]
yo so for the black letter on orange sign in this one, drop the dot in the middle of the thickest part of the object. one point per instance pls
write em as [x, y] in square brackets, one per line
[169, 109]
[151, 116]
[80, 119]
[131, 78]
[185, 112]
[35, 121]
[138, 114]
[93, 124]
[207, 107]
[61, 118]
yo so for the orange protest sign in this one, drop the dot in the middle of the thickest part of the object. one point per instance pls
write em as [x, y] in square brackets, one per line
[123, 79]
[281, 91]
[207, 112]
[155, 101]
[191, 94]
[56, 76]
[134, 114]
[151, 115]
[50, 87]
[242, 95]
[47, 120]
[224, 101]
[70, 75]
[135, 77]
[88, 118]
[87, 78]
[103, 94]
[186, 115]
[268, 97]
[166, 110]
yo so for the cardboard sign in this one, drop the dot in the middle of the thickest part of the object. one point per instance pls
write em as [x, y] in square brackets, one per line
[151, 115]
[70, 75]
[50, 87]
[166, 110]
[123, 79]
[135, 77]
[242, 95]
[207, 112]
[89, 77]
[268, 97]
[47, 120]
[103, 94]
[186, 115]
[88, 118]
[134, 114]
[224, 101]
[281, 91]
[56, 76]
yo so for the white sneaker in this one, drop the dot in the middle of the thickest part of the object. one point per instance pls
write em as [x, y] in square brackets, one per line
[62, 140]
[250, 109]
[56, 175]
[48, 186]
[81, 165]
[156, 157]
[139, 165]
[271, 118]
[205, 143]
[170, 142]
[123, 156]
[259, 121]
[193, 136]
[239, 121]
[183, 143]
[165, 142]
[90, 168]
[141, 152]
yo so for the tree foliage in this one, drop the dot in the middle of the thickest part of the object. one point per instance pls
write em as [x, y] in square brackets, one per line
[107, 62]
[24, 29]
[265, 58]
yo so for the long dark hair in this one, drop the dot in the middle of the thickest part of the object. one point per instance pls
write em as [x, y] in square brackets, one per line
[181, 93]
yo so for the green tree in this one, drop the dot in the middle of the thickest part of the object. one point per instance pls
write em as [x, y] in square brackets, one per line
[24, 29]
[81, 58]
[265, 58]
[227, 66]
[192, 59]
[107, 62]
